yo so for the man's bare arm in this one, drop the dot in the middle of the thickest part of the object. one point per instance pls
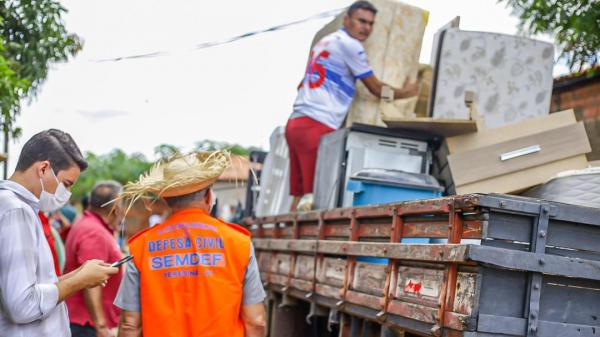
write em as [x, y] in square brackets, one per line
[375, 87]
[130, 324]
[93, 303]
[253, 316]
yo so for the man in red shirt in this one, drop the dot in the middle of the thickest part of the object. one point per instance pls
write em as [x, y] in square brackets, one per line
[91, 311]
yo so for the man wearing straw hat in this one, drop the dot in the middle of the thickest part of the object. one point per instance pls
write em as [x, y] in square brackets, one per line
[192, 275]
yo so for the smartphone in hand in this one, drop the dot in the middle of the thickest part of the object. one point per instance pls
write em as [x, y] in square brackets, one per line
[122, 261]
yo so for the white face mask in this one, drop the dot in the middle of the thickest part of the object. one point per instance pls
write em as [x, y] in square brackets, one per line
[51, 202]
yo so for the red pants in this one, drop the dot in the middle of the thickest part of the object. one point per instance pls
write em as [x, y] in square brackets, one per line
[303, 135]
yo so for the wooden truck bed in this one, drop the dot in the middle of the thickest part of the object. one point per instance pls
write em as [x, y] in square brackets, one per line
[512, 266]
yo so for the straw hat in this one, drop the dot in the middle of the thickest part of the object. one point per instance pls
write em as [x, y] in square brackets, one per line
[179, 175]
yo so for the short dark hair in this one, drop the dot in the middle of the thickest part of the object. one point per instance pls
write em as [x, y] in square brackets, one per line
[55, 146]
[104, 192]
[186, 199]
[366, 5]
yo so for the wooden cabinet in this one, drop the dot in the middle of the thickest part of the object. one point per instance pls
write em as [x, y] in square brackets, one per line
[515, 157]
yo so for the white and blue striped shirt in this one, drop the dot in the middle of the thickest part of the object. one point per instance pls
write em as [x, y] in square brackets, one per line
[28, 293]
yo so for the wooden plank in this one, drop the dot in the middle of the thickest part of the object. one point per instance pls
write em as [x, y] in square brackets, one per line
[419, 283]
[338, 231]
[369, 230]
[464, 301]
[305, 267]
[512, 227]
[569, 300]
[328, 291]
[413, 311]
[369, 278]
[512, 326]
[414, 252]
[367, 300]
[436, 126]
[299, 246]
[301, 284]
[574, 235]
[280, 264]
[331, 271]
[541, 263]
[485, 162]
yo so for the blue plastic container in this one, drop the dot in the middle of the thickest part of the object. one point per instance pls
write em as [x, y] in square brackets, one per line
[380, 186]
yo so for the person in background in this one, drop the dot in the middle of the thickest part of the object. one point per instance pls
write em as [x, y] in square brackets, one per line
[91, 311]
[336, 62]
[52, 242]
[193, 275]
[62, 220]
[31, 294]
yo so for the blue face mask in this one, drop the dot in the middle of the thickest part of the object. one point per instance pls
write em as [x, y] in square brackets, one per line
[51, 202]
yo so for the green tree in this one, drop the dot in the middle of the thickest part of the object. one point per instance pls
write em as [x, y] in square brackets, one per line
[116, 165]
[165, 151]
[212, 145]
[575, 24]
[32, 37]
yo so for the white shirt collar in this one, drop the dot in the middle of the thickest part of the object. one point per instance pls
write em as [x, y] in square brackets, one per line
[21, 192]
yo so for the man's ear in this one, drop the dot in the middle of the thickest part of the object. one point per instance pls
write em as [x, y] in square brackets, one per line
[41, 167]
[208, 196]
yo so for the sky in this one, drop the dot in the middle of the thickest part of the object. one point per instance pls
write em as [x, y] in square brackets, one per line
[237, 92]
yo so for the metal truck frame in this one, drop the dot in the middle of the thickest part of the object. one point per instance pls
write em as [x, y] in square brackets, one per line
[535, 272]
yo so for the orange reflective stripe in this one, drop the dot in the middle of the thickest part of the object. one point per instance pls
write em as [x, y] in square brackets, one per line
[192, 271]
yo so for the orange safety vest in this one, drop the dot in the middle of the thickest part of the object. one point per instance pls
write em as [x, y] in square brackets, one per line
[192, 271]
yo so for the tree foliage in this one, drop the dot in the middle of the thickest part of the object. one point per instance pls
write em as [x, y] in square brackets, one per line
[236, 149]
[165, 151]
[116, 165]
[119, 166]
[575, 24]
[32, 37]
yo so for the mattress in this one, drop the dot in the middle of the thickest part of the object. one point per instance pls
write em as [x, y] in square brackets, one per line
[511, 76]
[579, 187]
[393, 51]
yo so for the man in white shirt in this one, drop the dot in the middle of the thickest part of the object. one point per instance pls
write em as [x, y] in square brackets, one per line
[31, 295]
[327, 90]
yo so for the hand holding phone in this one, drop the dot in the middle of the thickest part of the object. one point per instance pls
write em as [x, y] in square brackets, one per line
[122, 261]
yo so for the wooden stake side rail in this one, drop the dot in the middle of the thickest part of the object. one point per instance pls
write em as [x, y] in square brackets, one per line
[522, 257]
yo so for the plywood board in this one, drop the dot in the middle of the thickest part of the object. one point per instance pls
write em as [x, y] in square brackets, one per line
[393, 51]
[441, 127]
[511, 77]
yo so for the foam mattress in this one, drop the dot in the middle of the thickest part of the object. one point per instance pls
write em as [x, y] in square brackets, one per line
[580, 187]
[511, 76]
